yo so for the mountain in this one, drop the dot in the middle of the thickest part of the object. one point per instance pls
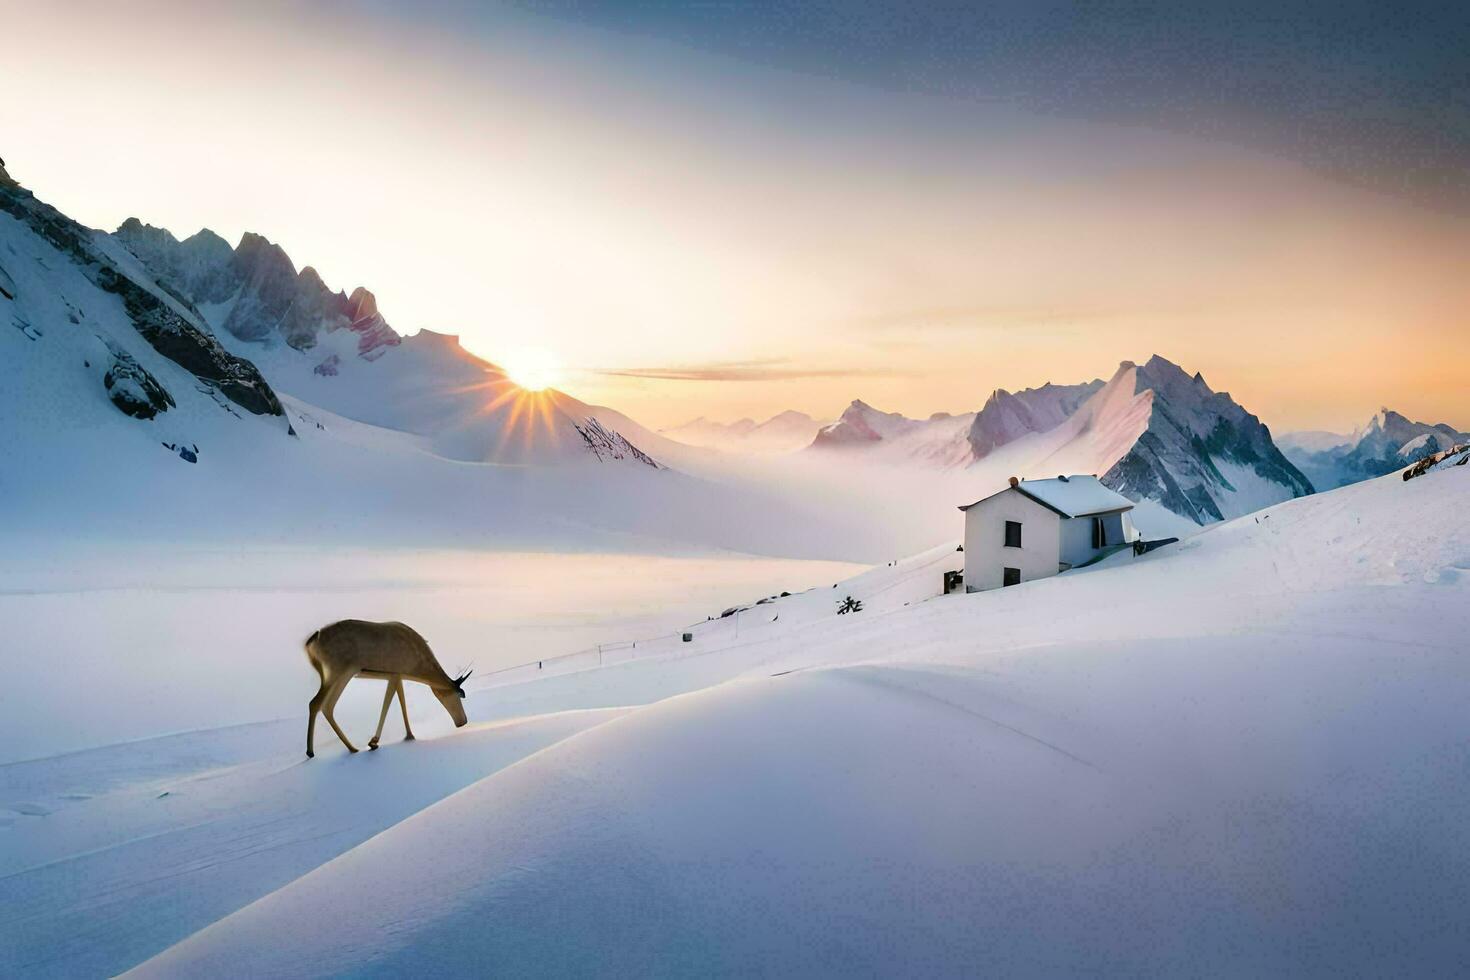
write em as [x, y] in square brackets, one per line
[253, 291]
[1388, 442]
[861, 424]
[1293, 444]
[954, 440]
[1007, 417]
[336, 351]
[1154, 433]
[167, 395]
[144, 350]
[783, 433]
[1199, 454]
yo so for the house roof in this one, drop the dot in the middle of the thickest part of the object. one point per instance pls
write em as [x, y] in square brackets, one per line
[1070, 496]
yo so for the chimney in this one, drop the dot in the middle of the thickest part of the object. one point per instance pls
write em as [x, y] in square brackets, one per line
[1014, 481]
[1062, 478]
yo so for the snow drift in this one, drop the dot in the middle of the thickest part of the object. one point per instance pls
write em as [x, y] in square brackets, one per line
[1240, 755]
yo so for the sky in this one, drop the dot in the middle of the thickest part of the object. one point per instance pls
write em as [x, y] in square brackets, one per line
[736, 209]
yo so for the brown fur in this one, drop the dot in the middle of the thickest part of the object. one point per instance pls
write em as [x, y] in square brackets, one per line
[391, 651]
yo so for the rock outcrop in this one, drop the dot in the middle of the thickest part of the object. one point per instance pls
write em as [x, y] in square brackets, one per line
[131, 388]
[254, 291]
[172, 326]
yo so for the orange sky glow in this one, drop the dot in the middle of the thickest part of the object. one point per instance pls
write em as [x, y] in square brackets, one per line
[687, 235]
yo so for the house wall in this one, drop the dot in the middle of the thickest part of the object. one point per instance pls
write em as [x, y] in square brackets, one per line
[1077, 540]
[1077, 536]
[985, 536]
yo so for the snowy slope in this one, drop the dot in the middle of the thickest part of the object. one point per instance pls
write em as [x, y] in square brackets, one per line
[131, 413]
[1239, 756]
[336, 351]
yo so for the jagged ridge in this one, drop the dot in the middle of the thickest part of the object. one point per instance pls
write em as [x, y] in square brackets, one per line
[254, 291]
[179, 334]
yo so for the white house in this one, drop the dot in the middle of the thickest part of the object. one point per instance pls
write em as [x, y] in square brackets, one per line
[1036, 528]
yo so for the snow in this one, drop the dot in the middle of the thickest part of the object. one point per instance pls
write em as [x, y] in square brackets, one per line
[1076, 496]
[1242, 753]
[1239, 754]
[151, 640]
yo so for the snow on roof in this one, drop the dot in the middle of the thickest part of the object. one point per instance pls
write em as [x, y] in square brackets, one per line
[1071, 496]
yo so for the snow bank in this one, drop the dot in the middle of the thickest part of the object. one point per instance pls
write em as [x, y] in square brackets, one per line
[1241, 755]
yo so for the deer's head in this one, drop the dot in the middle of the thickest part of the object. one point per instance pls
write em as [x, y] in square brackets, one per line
[453, 699]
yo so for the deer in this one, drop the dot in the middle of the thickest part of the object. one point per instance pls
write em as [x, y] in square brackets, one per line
[390, 651]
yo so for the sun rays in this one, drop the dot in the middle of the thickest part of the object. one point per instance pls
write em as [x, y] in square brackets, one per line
[527, 415]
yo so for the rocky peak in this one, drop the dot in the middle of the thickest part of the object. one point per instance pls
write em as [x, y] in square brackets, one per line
[173, 329]
[256, 291]
[361, 304]
[1007, 417]
[1193, 437]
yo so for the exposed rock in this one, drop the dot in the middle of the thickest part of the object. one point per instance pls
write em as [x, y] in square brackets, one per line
[174, 330]
[606, 444]
[195, 269]
[261, 296]
[1460, 455]
[374, 334]
[1388, 442]
[132, 389]
[1190, 428]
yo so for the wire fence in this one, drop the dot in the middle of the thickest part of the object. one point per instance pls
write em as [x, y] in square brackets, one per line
[609, 654]
[673, 643]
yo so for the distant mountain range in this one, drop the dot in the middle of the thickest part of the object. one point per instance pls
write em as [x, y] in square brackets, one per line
[783, 433]
[129, 348]
[1389, 441]
[1154, 433]
[193, 391]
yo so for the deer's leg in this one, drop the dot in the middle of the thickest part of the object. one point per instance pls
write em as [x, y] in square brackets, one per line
[312, 709]
[339, 684]
[388, 691]
[403, 703]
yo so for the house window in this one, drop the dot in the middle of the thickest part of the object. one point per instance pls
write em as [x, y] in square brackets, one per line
[1013, 534]
[1011, 576]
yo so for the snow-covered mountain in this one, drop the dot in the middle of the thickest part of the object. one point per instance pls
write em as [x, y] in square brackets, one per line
[1389, 441]
[1007, 417]
[92, 332]
[1153, 433]
[336, 351]
[783, 433]
[130, 408]
[253, 291]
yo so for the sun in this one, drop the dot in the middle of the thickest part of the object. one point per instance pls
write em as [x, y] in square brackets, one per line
[532, 368]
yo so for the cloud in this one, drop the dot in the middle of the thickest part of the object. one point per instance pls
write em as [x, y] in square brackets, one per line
[771, 369]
